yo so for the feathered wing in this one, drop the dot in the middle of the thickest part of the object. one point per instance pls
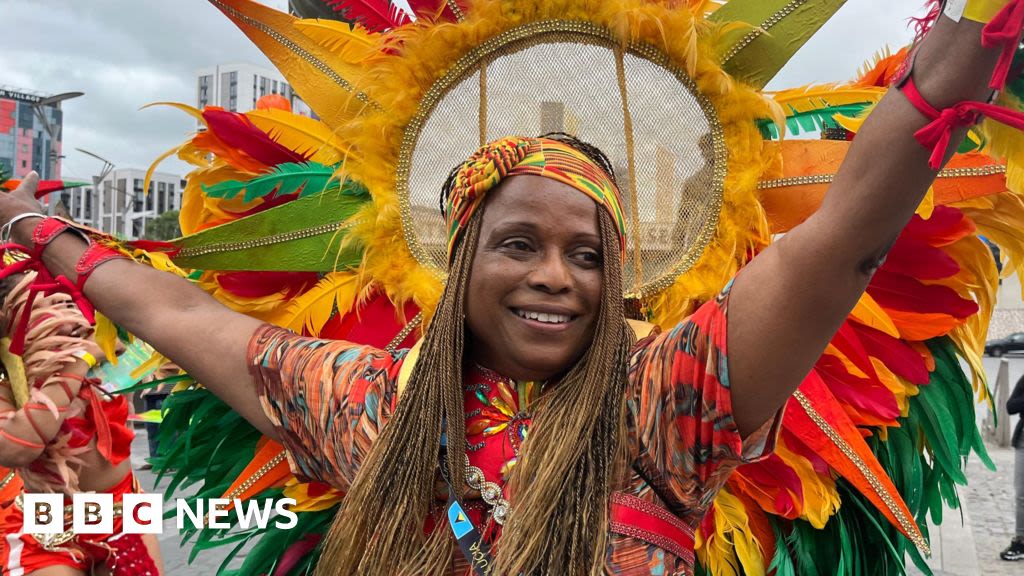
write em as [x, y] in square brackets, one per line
[286, 219]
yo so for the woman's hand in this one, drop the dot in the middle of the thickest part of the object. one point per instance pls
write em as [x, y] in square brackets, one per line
[20, 200]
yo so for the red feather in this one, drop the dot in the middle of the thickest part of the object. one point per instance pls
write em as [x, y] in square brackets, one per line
[45, 186]
[847, 342]
[375, 15]
[896, 354]
[375, 323]
[797, 446]
[869, 400]
[946, 226]
[237, 131]
[900, 292]
[258, 284]
[916, 257]
[207, 141]
[773, 477]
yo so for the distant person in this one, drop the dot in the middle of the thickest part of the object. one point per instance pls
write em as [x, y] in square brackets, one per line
[1015, 405]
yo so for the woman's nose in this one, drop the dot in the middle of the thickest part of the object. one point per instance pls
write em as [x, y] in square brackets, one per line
[552, 273]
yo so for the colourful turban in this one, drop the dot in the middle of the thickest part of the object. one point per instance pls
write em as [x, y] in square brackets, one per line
[512, 156]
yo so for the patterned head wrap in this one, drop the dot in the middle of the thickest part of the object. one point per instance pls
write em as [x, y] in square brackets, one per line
[512, 156]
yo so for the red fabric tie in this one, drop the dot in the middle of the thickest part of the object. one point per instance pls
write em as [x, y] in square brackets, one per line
[938, 135]
[44, 284]
[1004, 30]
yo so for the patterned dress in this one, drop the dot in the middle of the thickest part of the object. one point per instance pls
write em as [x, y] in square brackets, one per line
[329, 400]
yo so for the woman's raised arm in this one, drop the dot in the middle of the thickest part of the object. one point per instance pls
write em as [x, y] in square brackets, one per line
[790, 300]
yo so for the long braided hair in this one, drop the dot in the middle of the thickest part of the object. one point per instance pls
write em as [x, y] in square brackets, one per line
[575, 456]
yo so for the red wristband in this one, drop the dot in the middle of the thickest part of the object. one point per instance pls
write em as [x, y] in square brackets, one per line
[93, 256]
[47, 230]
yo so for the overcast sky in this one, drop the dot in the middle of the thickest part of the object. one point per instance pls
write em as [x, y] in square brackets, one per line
[126, 53]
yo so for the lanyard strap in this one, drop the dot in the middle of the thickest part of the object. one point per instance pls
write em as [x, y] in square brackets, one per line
[471, 543]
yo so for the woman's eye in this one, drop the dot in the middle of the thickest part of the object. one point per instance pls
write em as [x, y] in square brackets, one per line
[589, 257]
[517, 245]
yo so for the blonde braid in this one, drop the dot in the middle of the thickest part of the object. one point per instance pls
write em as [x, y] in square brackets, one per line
[380, 527]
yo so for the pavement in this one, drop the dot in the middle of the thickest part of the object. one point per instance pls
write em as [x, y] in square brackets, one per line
[966, 544]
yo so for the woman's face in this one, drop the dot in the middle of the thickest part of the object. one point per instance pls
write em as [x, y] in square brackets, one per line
[535, 283]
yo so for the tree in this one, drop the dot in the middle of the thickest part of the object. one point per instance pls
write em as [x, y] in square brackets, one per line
[163, 227]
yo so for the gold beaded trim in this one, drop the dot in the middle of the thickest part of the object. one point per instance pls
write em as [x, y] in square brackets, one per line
[266, 241]
[908, 525]
[299, 51]
[260, 473]
[393, 345]
[7, 479]
[454, 7]
[489, 491]
[754, 34]
[532, 34]
[250, 481]
[987, 170]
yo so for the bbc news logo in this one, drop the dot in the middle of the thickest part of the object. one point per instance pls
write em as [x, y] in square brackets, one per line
[143, 513]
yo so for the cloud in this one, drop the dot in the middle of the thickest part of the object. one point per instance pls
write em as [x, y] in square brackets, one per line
[125, 54]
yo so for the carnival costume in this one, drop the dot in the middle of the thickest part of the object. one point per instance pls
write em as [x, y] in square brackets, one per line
[328, 227]
[55, 335]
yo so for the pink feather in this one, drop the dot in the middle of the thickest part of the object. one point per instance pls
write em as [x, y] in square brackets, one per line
[375, 15]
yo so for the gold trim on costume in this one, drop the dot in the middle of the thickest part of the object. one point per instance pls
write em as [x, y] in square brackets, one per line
[988, 170]
[909, 526]
[765, 26]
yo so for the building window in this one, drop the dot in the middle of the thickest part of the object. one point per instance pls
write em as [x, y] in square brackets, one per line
[149, 197]
[161, 198]
[170, 196]
[24, 148]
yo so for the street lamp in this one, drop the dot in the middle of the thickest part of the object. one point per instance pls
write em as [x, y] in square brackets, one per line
[52, 131]
[108, 167]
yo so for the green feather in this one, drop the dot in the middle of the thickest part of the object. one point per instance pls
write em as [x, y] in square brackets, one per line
[284, 179]
[811, 120]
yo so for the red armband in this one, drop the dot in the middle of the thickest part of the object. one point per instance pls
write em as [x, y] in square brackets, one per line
[937, 135]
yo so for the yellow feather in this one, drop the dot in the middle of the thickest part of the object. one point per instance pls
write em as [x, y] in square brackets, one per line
[927, 205]
[190, 110]
[306, 136]
[106, 337]
[813, 97]
[352, 43]
[336, 291]
[732, 545]
[869, 313]
[848, 364]
[153, 166]
[15, 368]
[901, 389]
[820, 498]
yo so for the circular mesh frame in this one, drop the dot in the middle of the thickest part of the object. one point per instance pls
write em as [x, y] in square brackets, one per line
[564, 77]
